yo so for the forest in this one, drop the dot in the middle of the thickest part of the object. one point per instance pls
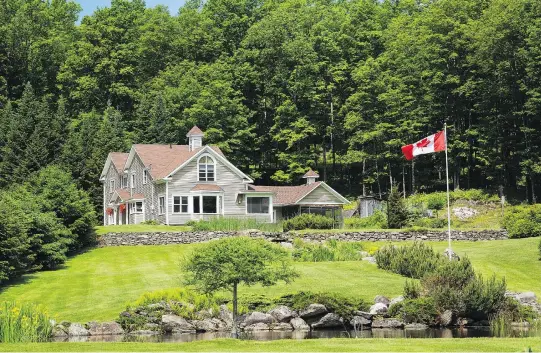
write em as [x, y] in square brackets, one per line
[279, 86]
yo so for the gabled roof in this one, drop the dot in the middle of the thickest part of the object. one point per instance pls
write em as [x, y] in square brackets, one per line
[162, 160]
[311, 174]
[195, 131]
[291, 195]
[117, 159]
[206, 187]
[125, 195]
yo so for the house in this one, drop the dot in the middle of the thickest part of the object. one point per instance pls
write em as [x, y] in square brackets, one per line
[174, 184]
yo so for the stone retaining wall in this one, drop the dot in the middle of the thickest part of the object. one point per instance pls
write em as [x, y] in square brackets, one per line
[162, 238]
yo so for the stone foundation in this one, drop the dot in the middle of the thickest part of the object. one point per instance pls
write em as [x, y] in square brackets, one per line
[163, 238]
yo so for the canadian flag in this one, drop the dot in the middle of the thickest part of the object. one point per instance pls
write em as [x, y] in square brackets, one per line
[430, 144]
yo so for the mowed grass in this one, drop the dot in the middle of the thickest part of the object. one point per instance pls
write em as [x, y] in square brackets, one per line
[140, 228]
[98, 284]
[313, 345]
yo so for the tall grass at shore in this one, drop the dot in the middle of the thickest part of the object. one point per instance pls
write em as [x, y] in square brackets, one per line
[20, 323]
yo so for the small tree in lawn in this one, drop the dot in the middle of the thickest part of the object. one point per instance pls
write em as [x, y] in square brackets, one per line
[226, 263]
[397, 213]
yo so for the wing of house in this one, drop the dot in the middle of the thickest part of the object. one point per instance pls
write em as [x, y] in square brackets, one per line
[174, 184]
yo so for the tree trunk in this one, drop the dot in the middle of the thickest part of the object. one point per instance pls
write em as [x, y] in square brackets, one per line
[234, 328]
[364, 171]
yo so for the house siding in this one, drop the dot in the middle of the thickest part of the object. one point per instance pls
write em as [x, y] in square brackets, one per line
[107, 192]
[320, 195]
[149, 212]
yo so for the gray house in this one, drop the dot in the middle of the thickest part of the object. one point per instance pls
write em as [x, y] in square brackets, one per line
[174, 184]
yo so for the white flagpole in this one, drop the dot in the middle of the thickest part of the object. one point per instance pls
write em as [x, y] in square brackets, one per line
[448, 202]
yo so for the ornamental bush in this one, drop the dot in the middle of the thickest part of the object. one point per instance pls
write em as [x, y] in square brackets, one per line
[419, 310]
[413, 261]
[308, 221]
[397, 212]
[378, 220]
[330, 250]
[523, 221]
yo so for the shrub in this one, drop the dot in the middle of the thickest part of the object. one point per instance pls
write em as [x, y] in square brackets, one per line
[420, 310]
[539, 247]
[412, 290]
[233, 224]
[378, 220]
[336, 303]
[308, 221]
[23, 323]
[484, 298]
[430, 222]
[412, 261]
[397, 213]
[436, 201]
[523, 221]
[151, 222]
[330, 250]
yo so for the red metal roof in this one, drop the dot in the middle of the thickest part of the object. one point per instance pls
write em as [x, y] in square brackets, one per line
[286, 195]
[206, 187]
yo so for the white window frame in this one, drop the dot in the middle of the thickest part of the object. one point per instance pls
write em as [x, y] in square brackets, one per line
[219, 203]
[161, 204]
[206, 178]
[187, 204]
[132, 180]
[145, 176]
[124, 182]
[111, 186]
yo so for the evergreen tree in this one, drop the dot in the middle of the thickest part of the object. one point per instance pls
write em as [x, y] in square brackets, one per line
[397, 212]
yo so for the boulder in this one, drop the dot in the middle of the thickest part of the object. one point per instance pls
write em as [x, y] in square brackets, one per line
[387, 323]
[205, 314]
[449, 253]
[464, 321]
[176, 324]
[209, 325]
[281, 326]
[257, 317]
[378, 309]
[299, 324]
[364, 314]
[226, 315]
[330, 320]
[60, 331]
[104, 328]
[416, 326]
[77, 330]
[446, 318]
[369, 259]
[396, 301]
[359, 321]
[526, 298]
[381, 299]
[364, 254]
[260, 326]
[313, 310]
[282, 313]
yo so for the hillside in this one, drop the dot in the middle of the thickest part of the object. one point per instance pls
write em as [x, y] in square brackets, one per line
[98, 284]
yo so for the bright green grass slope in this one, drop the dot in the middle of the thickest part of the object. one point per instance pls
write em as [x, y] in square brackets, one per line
[140, 228]
[98, 284]
[313, 345]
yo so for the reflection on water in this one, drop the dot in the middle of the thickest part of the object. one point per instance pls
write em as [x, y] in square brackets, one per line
[276, 335]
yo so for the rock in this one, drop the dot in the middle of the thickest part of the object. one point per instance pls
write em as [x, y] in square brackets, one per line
[144, 333]
[104, 328]
[448, 253]
[523, 324]
[330, 320]
[364, 254]
[381, 299]
[77, 330]
[464, 321]
[60, 331]
[416, 326]
[260, 326]
[464, 213]
[226, 315]
[299, 324]
[527, 298]
[257, 317]
[152, 327]
[364, 314]
[205, 314]
[387, 323]
[176, 324]
[396, 301]
[313, 310]
[446, 318]
[378, 309]
[208, 325]
[156, 306]
[282, 313]
[281, 326]
[369, 259]
[66, 324]
[286, 245]
[359, 321]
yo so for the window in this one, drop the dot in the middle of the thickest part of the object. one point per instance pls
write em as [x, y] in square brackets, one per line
[124, 182]
[111, 185]
[258, 204]
[137, 207]
[206, 168]
[145, 176]
[180, 204]
[209, 204]
[133, 181]
[196, 204]
[161, 204]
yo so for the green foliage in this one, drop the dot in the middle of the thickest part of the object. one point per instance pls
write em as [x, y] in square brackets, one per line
[308, 221]
[150, 222]
[436, 201]
[331, 250]
[397, 213]
[335, 303]
[430, 223]
[523, 221]
[539, 247]
[413, 261]
[420, 310]
[232, 224]
[378, 220]
[24, 323]
[412, 290]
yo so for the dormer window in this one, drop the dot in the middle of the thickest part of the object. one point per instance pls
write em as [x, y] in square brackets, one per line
[206, 168]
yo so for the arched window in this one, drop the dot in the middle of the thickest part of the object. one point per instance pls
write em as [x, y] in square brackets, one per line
[206, 168]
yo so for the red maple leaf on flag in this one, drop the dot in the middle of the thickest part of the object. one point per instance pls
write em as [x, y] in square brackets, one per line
[423, 143]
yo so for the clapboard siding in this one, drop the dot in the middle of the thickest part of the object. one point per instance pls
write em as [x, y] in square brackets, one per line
[318, 196]
[113, 174]
[138, 168]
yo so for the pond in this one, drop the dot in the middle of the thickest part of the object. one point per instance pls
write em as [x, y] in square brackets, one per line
[276, 335]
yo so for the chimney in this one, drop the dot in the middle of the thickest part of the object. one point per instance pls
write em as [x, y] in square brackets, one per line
[195, 138]
[310, 177]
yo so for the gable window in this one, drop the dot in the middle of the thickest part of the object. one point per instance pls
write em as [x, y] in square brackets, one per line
[111, 185]
[206, 168]
[133, 181]
[161, 204]
[124, 181]
[180, 204]
[258, 204]
[145, 176]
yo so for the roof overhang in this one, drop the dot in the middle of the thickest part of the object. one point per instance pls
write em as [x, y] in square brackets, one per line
[329, 189]
[108, 163]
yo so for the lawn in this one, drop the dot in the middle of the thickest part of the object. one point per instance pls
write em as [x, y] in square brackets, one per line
[313, 345]
[140, 228]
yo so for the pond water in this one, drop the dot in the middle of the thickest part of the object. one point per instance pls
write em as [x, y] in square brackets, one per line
[276, 335]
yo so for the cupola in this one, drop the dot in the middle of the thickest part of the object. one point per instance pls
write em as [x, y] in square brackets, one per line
[310, 177]
[195, 138]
